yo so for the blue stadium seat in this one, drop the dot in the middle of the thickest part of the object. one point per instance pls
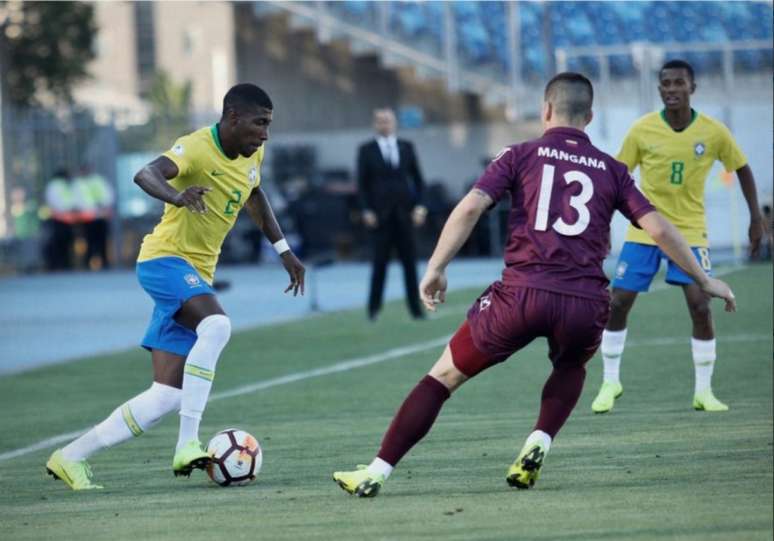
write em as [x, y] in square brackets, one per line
[482, 36]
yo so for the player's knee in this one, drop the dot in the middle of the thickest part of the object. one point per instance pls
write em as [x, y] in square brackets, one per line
[700, 310]
[449, 380]
[620, 304]
[449, 375]
[166, 397]
[215, 328]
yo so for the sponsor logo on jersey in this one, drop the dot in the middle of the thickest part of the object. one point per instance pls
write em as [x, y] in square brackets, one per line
[484, 303]
[252, 175]
[217, 173]
[699, 149]
[178, 149]
[621, 269]
[192, 280]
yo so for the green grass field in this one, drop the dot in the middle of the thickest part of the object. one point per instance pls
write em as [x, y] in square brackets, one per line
[652, 469]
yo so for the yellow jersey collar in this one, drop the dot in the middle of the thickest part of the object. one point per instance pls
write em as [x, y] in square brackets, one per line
[216, 137]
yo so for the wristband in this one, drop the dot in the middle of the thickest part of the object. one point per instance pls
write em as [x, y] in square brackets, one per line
[281, 246]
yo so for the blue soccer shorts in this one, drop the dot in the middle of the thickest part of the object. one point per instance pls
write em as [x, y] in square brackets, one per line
[170, 281]
[639, 263]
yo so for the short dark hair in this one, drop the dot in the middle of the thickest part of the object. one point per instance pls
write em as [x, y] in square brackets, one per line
[677, 64]
[571, 94]
[246, 95]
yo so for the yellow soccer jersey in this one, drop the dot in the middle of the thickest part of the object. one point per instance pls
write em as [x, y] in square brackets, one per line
[674, 168]
[199, 237]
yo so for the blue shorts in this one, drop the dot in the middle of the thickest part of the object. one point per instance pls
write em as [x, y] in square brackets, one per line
[639, 263]
[170, 281]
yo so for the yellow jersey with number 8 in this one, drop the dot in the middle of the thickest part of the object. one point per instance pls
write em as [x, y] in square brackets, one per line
[674, 167]
[198, 238]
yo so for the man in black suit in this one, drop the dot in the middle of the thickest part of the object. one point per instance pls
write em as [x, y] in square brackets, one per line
[391, 187]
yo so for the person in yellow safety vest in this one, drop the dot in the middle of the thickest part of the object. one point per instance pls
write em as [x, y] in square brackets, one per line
[95, 202]
[62, 206]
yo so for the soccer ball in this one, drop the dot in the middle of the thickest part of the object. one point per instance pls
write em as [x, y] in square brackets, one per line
[236, 457]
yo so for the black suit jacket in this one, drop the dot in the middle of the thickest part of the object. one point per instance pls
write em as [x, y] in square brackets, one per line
[384, 188]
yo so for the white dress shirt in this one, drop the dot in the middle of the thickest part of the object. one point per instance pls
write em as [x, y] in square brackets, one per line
[389, 147]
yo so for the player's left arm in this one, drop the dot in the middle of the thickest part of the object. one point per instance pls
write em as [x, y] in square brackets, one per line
[733, 159]
[756, 230]
[456, 231]
[260, 211]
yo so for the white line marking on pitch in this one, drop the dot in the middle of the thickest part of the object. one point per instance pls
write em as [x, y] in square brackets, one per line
[360, 362]
[343, 366]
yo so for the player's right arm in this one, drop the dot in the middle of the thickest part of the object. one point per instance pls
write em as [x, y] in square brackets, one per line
[456, 231]
[154, 180]
[676, 248]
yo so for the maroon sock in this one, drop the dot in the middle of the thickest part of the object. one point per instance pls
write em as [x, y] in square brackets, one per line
[560, 394]
[414, 419]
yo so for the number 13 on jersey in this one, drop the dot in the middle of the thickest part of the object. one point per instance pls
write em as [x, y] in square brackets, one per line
[578, 202]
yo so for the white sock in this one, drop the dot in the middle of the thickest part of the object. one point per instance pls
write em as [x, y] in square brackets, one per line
[129, 419]
[538, 436]
[613, 343]
[704, 356]
[213, 333]
[380, 467]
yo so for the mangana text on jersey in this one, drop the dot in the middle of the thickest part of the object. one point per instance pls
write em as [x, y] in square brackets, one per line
[548, 152]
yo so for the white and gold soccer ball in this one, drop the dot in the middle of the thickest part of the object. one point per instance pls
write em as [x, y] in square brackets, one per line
[236, 457]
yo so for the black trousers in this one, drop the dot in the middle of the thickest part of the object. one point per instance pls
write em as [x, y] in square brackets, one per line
[96, 241]
[394, 231]
[58, 249]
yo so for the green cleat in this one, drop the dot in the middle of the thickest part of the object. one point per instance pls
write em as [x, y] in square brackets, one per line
[525, 471]
[606, 397]
[76, 475]
[706, 401]
[189, 457]
[359, 482]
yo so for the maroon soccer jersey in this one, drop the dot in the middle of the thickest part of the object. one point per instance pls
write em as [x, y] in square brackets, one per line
[564, 192]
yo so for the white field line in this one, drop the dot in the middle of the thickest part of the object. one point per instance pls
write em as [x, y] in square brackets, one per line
[343, 366]
[359, 362]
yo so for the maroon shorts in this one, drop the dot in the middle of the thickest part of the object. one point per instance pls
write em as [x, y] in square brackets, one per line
[505, 319]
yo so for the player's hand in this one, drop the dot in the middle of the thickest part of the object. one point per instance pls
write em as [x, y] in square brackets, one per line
[296, 272]
[418, 215]
[432, 289]
[755, 233]
[718, 288]
[192, 198]
[369, 219]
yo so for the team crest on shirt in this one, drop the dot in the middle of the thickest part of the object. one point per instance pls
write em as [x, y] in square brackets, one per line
[252, 175]
[192, 280]
[699, 149]
[621, 270]
[484, 303]
[178, 149]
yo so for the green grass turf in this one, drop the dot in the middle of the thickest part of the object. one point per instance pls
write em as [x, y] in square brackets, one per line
[652, 469]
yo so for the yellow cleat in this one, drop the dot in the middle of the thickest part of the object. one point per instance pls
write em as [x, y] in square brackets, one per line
[359, 482]
[606, 397]
[706, 401]
[525, 471]
[189, 457]
[76, 475]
